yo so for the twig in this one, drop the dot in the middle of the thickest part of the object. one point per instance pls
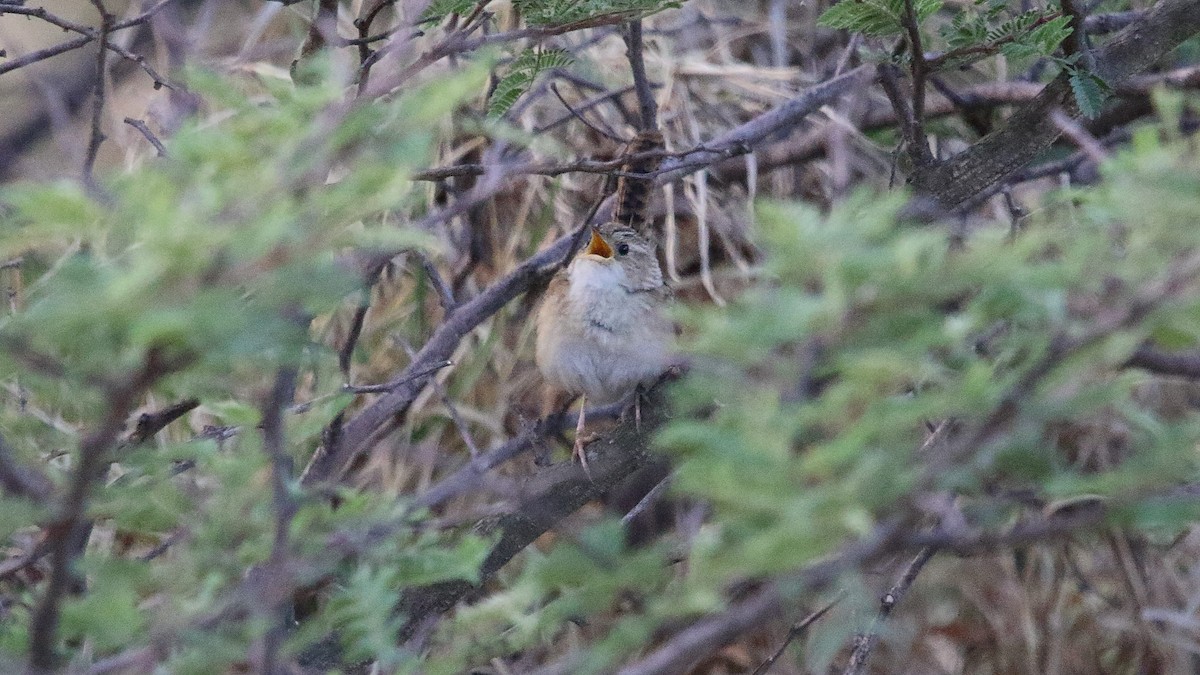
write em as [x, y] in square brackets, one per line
[890, 82]
[463, 430]
[1076, 42]
[864, 644]
[741, 139]
[285, 506]
[920, 151]
[16, 564]
[473, 474]
[445, 294]
[577, 115]
[582, 108]
[796, 631]
[647, 500]
[97, 135]
[65, 530]
[145, 131]
[87, 34]
[1180, 364]
[637, 65]
[460, 42]
[1086, 142]
[346, 351]
[391, 386]
[22, 481]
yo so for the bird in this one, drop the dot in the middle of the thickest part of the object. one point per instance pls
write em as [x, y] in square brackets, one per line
[602, 326]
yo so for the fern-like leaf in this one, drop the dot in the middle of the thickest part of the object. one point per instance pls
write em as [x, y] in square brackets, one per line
[522, 74]
[440, 9]
[1090, 91]
[875, 18]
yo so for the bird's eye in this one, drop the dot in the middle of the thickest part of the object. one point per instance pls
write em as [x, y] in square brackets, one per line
[622, 249]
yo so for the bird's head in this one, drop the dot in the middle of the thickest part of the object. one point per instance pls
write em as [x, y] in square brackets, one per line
[619, 252]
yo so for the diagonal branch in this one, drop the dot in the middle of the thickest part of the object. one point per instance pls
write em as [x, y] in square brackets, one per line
[1031, 130]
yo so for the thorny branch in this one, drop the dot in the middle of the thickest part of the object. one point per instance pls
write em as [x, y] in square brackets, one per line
[865, 643]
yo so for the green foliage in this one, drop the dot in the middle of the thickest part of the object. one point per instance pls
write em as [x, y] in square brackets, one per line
[992, 27]
[877, 18]
[1089, 89]
[898, 332]
[559, 12]
[555, 12]
[216, 254]
[440, 9]
[522, 73]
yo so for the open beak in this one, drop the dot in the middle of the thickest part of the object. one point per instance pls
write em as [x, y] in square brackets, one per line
[597, 246]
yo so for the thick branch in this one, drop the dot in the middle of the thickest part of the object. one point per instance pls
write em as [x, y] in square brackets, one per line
[741, 139]
[360, 431]
[555, 493]
[1030, 130]
[637, 65]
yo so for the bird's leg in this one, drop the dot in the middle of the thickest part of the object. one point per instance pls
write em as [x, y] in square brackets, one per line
[578, 451]
[639, 392]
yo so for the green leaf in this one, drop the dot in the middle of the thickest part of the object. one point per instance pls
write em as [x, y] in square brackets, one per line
[522, 73]
[875, 17]
[440, 9]
[1090, 91]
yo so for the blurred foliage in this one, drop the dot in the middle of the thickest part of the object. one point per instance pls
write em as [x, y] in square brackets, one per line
[802, 424]
[892, 331]
[220, 252]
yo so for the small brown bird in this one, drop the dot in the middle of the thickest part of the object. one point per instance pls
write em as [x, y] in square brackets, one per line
[602, 328]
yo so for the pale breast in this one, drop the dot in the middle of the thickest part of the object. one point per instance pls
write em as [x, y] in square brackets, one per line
[604, 341]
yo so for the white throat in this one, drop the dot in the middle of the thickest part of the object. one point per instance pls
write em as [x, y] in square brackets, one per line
[590, 278]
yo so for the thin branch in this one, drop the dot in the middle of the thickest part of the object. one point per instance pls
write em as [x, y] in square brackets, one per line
[579, 116]
[150, 423]
[346, 351]
[98, 94]
[890, 81]
[393, 385]
[274, 445]
[798, 629]
[637, 65]
[444, 293]
[460, 42]
[149, 135]
[1179, 364]
[574, 112]
[463, 430]
[473, 475]
[1076, 42]
[864, 644]
[782, 118]
[68, 524]
[647, 500]
[1086, 142]
[20, 480]
[87, 35]
[920, 151]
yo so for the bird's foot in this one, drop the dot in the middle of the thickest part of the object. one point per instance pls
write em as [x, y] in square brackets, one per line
[579, 451]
